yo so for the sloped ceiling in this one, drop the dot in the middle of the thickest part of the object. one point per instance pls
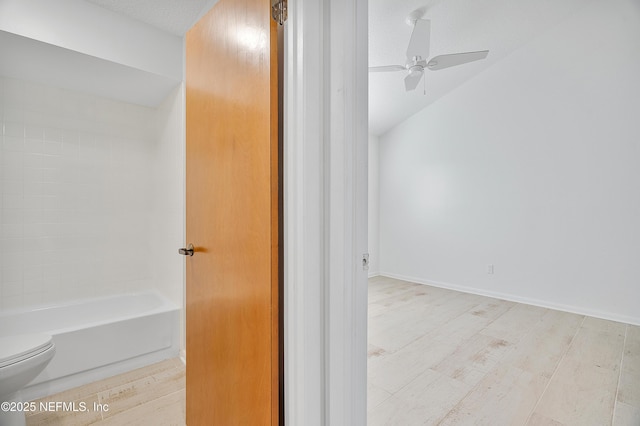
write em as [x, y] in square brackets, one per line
[500, 26]
[172, 16]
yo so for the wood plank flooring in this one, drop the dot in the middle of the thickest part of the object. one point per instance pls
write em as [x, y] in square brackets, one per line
[436, 357]
[152, 395]
[440, 357]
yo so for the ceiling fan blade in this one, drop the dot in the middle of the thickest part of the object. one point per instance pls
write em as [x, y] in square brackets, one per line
[446, 61]
[387, 68]
[411, 81]
[419, 43]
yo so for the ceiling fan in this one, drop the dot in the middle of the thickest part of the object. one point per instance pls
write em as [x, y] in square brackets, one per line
[418, 52]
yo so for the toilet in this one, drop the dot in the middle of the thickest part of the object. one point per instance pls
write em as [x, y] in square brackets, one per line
[22, 358]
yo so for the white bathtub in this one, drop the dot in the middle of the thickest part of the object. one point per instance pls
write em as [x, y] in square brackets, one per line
[98, 338]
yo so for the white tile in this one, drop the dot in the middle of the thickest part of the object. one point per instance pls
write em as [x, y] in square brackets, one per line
[53, 175]
[13, 129]
[11, 172]
[52, 135]
[12, 143]
[33, 117]
[52, 272]
[33, 244]
[33, 160]
[12, 187]
[34, 146]
[34, 230]
[55, 256]
[32, 188]
[12, 201]
[53, 202]
[52, 189]
[33, 202]
[70, 136]
[9, 245]
[12, 159]
[30, 299]
[70, 149]
[32, 259]
[32, 174]
[12, 231]
[11, 275]
[34, 132]
[11, 288]
[52, 147]
[13, 112]
[12, 302]
[33, 286]
[12, 216]
[12, 263]
[33, 273]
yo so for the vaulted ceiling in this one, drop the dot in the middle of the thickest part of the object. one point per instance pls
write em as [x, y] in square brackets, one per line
[500, 26]
[175, 17]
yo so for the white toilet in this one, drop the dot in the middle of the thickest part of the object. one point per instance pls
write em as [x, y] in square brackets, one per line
[22, 358]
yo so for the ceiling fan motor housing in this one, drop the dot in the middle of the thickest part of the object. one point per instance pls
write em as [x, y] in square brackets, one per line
[416, 69]
[419, 48]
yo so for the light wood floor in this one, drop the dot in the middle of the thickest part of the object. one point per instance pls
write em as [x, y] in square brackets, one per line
[437, 357]
[440, 357]
[152, 395]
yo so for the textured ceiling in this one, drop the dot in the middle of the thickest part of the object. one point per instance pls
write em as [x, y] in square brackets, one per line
[500, 26]
[173, 16]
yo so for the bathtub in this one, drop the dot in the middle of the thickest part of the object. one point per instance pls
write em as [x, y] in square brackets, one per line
[98, 338]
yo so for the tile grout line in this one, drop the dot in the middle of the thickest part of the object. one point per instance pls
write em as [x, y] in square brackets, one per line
[615, 401]
[555, 370]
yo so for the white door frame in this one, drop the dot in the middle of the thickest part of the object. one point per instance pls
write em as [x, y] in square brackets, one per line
[325, 212]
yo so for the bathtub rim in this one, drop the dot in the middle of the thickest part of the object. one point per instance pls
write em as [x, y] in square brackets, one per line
[165, 305]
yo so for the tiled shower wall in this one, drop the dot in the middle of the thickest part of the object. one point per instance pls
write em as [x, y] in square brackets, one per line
[76, 180]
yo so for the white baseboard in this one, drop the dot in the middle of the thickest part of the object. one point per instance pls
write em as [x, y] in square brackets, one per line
[373, 274]
[514, 298]
[183, 356]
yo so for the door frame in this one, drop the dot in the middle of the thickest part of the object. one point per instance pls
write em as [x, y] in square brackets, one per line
[325, 212]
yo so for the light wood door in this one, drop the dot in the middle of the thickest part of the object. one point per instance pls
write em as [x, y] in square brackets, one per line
[233, 212]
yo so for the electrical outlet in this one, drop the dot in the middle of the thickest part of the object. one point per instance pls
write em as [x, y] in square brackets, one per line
[490, 269]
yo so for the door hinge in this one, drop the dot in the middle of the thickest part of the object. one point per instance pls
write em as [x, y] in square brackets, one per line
[279, 11]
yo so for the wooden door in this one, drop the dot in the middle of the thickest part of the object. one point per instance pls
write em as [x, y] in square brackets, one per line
[233, 212]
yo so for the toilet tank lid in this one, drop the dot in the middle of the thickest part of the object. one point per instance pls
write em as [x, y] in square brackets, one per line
[12, 347]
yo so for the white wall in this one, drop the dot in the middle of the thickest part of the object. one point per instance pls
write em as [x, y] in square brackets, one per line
[77, 45]
[532, 166]
[89, 29]
[374, 206]
[167, 205]
[75, 195]
[81, 207]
